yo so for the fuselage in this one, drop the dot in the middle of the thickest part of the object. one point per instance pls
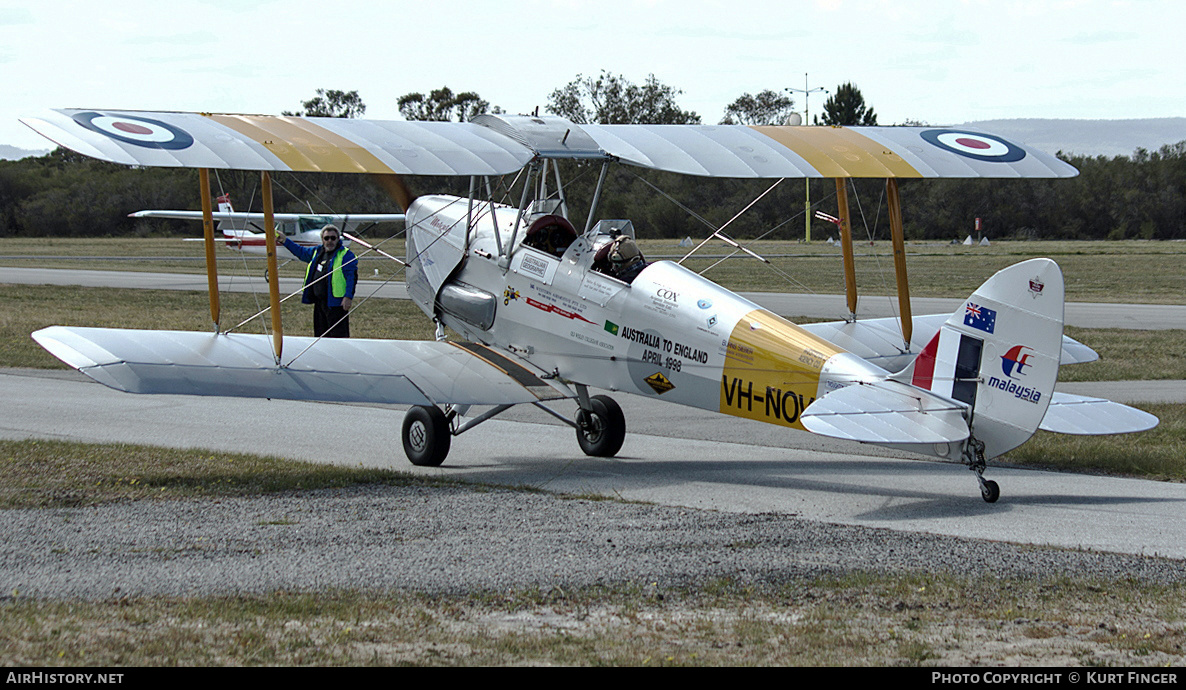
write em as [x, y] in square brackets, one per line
[669, 334]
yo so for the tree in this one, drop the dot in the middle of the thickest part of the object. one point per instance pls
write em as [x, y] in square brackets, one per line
[847, 107]
[766, 108]
[332, 103]
[613, 100]
[442, 105]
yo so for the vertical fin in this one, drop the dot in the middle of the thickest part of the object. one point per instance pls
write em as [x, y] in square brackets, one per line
[999, 352]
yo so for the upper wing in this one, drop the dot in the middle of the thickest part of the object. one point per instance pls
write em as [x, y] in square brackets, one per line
[298, 144]
[499, 144]
[345, 370]
[785, 151]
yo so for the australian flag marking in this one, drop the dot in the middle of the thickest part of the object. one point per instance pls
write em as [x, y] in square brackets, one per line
[980, 318]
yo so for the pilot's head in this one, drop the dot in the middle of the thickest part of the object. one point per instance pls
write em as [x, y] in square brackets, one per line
[624, 251]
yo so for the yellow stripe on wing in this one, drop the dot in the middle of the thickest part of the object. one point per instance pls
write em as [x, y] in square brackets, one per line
[304, 146]
[840, 152]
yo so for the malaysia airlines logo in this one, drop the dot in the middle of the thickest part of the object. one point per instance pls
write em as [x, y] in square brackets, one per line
[1016, 361]
[980, 318]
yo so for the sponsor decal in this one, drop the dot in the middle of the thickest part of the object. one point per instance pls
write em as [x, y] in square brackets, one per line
[508, 295]
[553, 309]
[1020, 392]
[812, 358]
[1015, 361]
[136, 130]
[534, 265]
[611, 328]
[659, 383]
[663, 301]
[704, 303]
[1036, 287]
[739, 353]
[980, 318]
[974, 145]
[711, 321]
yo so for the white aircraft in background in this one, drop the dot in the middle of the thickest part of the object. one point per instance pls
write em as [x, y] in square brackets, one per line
[548, 309]
[244, 231]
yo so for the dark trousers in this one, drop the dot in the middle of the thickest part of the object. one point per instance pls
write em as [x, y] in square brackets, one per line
[332, 322]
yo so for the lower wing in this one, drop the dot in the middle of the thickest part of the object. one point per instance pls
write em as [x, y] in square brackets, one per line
[347, 370]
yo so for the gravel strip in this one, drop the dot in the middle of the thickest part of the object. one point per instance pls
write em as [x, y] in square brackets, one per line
[463, 539]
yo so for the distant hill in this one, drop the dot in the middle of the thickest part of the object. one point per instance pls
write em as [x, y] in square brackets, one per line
[1089, 137]
[12, 153]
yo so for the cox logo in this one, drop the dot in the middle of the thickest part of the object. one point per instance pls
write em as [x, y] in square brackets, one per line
[669, 295]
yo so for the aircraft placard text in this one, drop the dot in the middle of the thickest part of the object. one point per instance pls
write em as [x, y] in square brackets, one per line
[776, 404]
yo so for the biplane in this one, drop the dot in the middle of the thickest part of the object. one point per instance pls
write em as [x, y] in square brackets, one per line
[546, 311]
[244, 231]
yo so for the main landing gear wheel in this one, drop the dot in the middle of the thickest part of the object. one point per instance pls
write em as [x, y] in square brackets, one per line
[601, 431]
[989, 491]
[426, 436]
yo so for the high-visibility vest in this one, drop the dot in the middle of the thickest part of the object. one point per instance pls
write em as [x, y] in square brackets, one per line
[337, 280]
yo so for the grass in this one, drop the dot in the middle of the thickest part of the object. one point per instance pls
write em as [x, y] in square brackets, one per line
[1129, 355]
[1159, 453]
[1094, 271]
[62, 474]
[43, 306]
[858, 620]
[171, 255]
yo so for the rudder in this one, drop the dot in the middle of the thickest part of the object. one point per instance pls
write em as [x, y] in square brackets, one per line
[999, 353]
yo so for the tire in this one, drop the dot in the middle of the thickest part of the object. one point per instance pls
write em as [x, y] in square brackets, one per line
[990, 492]
[426, 436]
[601, 432]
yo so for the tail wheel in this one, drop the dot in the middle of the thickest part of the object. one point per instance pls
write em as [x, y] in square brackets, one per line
[602, 430]
[426, 436]
[990, 491]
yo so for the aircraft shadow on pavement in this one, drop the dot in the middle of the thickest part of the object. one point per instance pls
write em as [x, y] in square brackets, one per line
[896, 482]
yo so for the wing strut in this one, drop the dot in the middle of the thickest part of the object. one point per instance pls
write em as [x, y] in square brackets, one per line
[273, 272]
[208, 233]
[895, 217]
[850, 273]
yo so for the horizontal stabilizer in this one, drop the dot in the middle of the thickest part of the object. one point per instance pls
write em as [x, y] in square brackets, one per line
[1083, 416]
[880, 340]
[332, 370]
[887, 412]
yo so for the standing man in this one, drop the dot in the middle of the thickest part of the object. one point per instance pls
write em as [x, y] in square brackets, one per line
[330, 296]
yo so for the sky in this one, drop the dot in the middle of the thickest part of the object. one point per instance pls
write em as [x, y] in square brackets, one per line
[944, 62]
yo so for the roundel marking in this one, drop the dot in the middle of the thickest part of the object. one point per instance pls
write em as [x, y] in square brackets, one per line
[974, 145]
[139, 131]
